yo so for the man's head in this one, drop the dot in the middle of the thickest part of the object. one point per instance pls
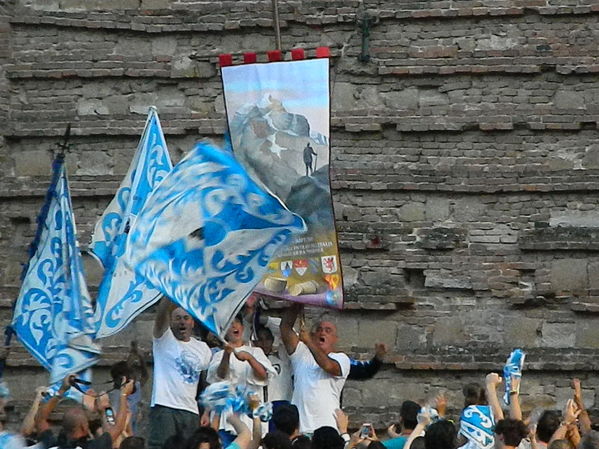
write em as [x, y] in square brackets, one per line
[547, 425]
[327, 438]
[286, 419]
[510, 432]
[75, 424]
[408, 415]
[590, 440]
[204, 438]
[133, 443]
[264, 339]
[324, 335]
[181, 324]
[474, 394]
[440, 435]
[234, 334]
[276, 440]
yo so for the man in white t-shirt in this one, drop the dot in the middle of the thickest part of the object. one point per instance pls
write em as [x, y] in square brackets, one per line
[178, 360]
[319, 373]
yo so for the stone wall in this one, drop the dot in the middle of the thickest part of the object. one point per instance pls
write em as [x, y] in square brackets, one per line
[465, 165]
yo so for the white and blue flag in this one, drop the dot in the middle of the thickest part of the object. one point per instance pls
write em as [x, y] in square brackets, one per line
[207, 234]
[124, 294]
[53, 315]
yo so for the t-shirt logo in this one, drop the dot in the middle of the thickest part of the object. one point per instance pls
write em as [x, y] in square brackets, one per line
[189, 367]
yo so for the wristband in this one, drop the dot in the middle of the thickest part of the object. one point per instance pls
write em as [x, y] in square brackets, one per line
[345, 436]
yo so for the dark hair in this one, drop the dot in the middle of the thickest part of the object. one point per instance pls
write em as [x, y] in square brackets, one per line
[559, 444]
[376, 445]
[512, 430]
[590, 440]
[133, 443]
[266, 331]
[440, 435]
[301, 442]
[276, 440]
[121, 369]
[418, 443]
[175, 441]
[547, 425]
[203, 435]
[327, 437]
[409, 413]
[286, 418]
[474, 394]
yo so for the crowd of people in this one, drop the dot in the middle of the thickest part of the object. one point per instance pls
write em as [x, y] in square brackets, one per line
[296, 379]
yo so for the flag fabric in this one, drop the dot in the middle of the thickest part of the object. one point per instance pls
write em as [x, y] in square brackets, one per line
[124, 294]
[278, 117]
[477, 424]
[512, 369]
[53, 315]
[207, 234]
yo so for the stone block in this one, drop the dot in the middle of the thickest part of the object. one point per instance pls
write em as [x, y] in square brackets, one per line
[376, 331]
[441, 238]
[33, 163]
[401, 100]
[569, 275]
[91, 106]
[587, 334]
[437, 209]
[412, 212]
[564, 99]
[558, 335]
[164, 46]
[449, 331]
[410, 338]
[520, 331]
[95, 164]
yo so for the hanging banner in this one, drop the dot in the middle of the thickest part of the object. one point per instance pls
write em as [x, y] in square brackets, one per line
[278, 116]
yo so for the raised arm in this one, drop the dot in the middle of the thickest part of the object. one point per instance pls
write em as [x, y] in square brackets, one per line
[515, 410]
[288, 335]
[491, 382]
[41, 420]
[163, 315]
[322, 359]
[583, 418]
[121, 417]
[28, 425]
[244, 437]
[257, 368]
[223, 367]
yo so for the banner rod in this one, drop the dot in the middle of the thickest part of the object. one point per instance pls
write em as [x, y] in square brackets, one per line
[276, 24]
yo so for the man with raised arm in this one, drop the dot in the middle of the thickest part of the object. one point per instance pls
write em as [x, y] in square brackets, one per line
[319, 372]
[178, 360]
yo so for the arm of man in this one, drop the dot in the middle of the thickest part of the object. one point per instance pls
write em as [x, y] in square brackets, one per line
[515, 410]
[121, 417]
[28, 425]
[223, 367]
[41, 420]
[163, 315]
[257, 368]
[491, 382]
[244, 437]
[288, 335]
[323, 360]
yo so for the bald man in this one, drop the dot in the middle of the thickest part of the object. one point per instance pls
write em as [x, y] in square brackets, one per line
[319, 372]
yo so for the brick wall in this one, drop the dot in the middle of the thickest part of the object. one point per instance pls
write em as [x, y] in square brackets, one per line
[465, 165]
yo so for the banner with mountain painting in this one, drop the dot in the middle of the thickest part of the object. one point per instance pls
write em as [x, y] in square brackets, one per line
[278, 116]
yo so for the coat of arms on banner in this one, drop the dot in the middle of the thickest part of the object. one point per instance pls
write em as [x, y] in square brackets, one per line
[278, 116]
[300, 266]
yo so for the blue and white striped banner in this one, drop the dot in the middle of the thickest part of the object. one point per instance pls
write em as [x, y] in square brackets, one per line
[124, 294]
[206, 235]
[53, 316]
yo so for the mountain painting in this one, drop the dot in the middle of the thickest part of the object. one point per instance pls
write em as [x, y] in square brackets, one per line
[278, 117]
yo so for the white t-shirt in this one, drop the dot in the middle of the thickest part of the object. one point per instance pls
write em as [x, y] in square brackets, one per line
[241, 373]
[177, 367]
[280, 387]
[316, 393]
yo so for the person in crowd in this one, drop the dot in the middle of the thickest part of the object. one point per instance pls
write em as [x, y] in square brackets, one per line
[546, 426]
[75, 426]
[366, 370]
[179, 359]
[440, 435]
[509, 433]
[286, 419]
[133, 443]
[276, 440]
[590, 440]
[319, 372]
[407, 423]
[240, 364]
[327, 437]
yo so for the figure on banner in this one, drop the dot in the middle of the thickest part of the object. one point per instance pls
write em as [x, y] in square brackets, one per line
[240, 364]
[308, 153]
[179, 359]
[319, 372]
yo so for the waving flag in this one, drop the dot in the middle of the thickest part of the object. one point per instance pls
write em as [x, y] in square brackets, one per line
[512, 369]
[53, 315]
[207, 234]
[476, 424]
[124, 294]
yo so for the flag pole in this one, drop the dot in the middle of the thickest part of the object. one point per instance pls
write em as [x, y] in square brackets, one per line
[276, 23]
[59, 158]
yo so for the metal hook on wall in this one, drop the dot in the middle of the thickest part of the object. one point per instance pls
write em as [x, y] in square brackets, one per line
[63, 146]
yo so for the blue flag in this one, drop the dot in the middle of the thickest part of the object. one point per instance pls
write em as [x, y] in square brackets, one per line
[512, 369]
[124, 294]
[207, 234]
[477, 424]
[53, 316]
